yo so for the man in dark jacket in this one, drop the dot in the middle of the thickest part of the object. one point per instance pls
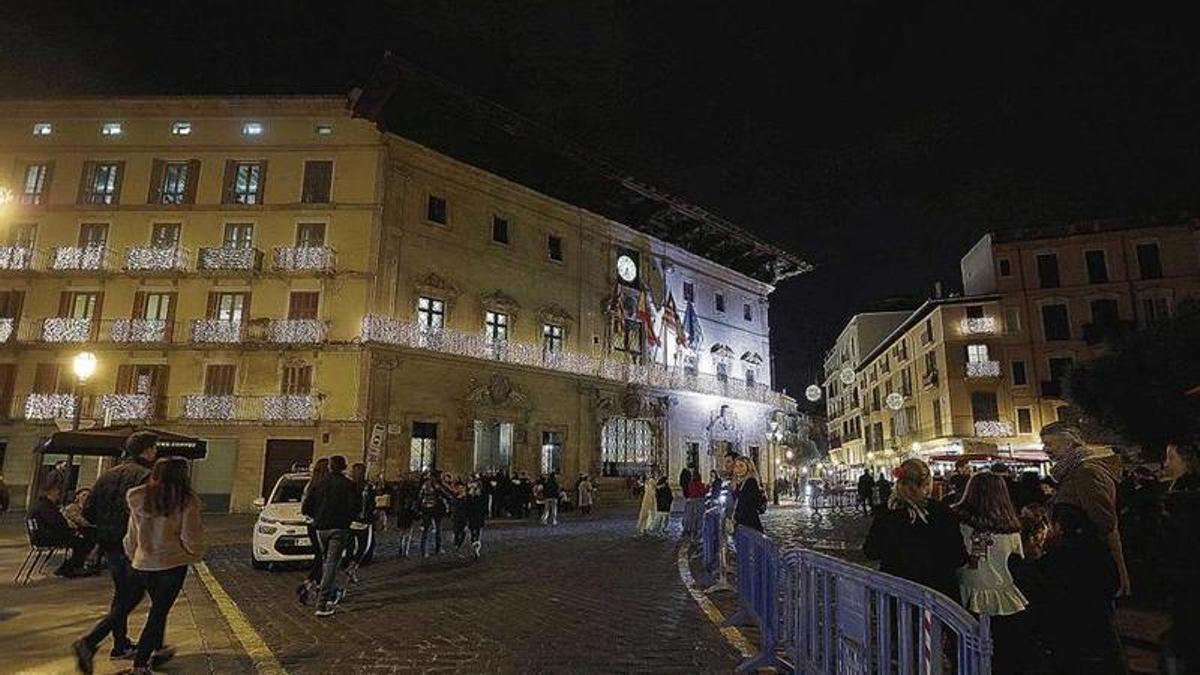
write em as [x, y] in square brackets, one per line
[53, 529]
[866, 492]
[109, 512]
[332, 505]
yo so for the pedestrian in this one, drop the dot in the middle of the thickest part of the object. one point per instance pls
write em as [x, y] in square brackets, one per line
[866, 492]
[108, 510]
[1088, 479]
[332, 505]
[431, 506]
[165, 536]
[1081, 578]
[1179, 542]
[53, 529]
[991, 533]
[662, 507]
[715, 485]
[1027, 626]
[304, 591]
[957, 482]
[649, 507]
[361, 529]
[405, 510]
[551, 494]
[685, 477]
[586, 495]
[749, 501]
[883, 486]
[469, 514]
[1027, 490]
[916, 537]
[693, 506]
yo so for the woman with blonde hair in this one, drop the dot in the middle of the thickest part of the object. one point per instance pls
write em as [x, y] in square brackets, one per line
[749, 502]
[916, 537]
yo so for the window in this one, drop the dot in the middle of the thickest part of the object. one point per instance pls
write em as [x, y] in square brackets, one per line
[723, 372]
[47, 380]
[239, 235]
[323, 129]
[435, 210]
[36, 187]
[23, 235]
[974, 311]
[219, 379]
[142, 379]
[1019, 377]
[1047, 267]
[310, 235]
[42, 129]
[984, 407]
[303, 304]
[689, 291]
[93, 235]
[79, 305]
[930, 361]
[110, 129]
[244, 182]
[1059, 367]
[296, 380]
[1024, 421]
[165, 235]
[552, 446]
[101, 182]
[627, 446]
[318, 182]
[252, 129]
[1155, 309]
[719, 301]
[977, 353]
[181, 129]
[750, 377]
[499, 230]
[153, 306]
[229, 307]
[552, 338]
[1055, 322]
[1012, 320]
[630, 341]
[1097, 266]
[690, 365]
[554, 248]
[1005, 266]
[937, 417]
[422, 450]
[495, 327]
[171, 182]
[1105, 312]
[431, 313]
[1149, 262]
[747, 312]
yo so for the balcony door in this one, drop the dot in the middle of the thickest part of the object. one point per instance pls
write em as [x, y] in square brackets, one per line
[145, 380]
[493, 445]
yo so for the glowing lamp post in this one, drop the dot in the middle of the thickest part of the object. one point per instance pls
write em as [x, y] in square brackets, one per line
[84, 367]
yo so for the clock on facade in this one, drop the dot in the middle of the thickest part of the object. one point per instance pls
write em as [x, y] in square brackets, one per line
[627, 267]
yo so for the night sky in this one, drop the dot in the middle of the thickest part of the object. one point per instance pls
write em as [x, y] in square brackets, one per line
[878, 139]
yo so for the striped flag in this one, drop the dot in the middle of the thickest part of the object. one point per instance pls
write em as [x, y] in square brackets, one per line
[671, 321]
[616, 313]
[645, 314]
[691, 324]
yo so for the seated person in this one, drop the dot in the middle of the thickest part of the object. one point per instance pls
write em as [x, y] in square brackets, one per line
[53, 529]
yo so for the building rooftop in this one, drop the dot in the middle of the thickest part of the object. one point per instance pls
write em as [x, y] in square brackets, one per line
[402, 98]
[1085, 227]
[917, 316]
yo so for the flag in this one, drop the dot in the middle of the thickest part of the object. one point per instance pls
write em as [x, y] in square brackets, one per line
[645, 314]
[671, 321]
[691, 324]
[616, 313]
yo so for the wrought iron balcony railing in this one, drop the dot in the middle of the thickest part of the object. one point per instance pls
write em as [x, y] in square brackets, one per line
[65, 329]
[79, 258]
[129, 407]
[229, 259]
[49, 406]
[216, 331]
[296, 331]
[290, 408]
[17, 258]
[140, 331]
[156, 259]
[304, 259]
[984, 325]
[983, 369]
[993, 429]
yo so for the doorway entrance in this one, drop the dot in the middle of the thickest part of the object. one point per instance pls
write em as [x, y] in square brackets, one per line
[282, 454]
[493, 445]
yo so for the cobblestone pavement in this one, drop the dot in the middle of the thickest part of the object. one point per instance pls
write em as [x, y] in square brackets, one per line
[836, 532]
[584, 596]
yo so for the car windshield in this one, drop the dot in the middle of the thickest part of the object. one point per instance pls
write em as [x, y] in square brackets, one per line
[289, 491]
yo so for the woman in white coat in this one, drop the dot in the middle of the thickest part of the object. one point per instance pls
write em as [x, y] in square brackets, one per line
[646, 516]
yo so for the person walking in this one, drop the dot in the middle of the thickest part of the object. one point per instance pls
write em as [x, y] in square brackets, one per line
[693, 506]
[649, 507]
[916, 537]
[1088, 479]
[883, 487]
[662, 507]
[991, 533]
[469, 512]
[866, 492]
[550, 494]
[304, 591]
[431, 505]
[587, 495]
[165, 535]
[108, 510]
[749, 501]
[405, 510]
[332, 505]
[360, 528]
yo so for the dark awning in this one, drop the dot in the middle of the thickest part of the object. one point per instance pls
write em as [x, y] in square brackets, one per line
[110, 442]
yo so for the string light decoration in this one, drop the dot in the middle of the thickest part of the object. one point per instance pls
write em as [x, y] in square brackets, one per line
[290, 407]
[385, 330]
[982, 325]
[993, 429]
[49, 406]
[304, 259]
[62, 329]
[78, 258]
[6, 329]
[296, 331]
[228, 258]
[983, 369]
[206, 407]
[123, 407]
[139, 330]
[216, 331]
[16, 258]
[151, 258]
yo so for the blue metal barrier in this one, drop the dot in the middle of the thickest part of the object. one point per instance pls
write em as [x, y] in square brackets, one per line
[758, 595]
[712, 541]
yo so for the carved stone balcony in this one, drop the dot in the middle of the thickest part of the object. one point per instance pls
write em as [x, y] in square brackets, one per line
[79, 258]
[141, 331]
[216, 331]
[993, 429]
[983, 369]
[49, 406]
[62, 329]
[16, 258]
[156, 259]
[296, 331]
[290, 408]
[229, 259]
[304, 259]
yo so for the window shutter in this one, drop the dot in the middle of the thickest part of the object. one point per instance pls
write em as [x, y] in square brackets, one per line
[211, 311]
[11, 303]
[125, 379]
[228, 181]
[7, 376]
[262, 182]
[139, 305]
[156, 179]
[193, 181]
[86, 177]
[172, 298]
[47, 183]
[117, 183]
[64, 303]
[45, 379]
[245, 306]
[303, 305]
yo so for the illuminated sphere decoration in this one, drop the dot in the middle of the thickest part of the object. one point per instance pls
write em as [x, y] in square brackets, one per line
[847, 375]
[895, 400]
[790, 455]
[84, 365]
[813, 393]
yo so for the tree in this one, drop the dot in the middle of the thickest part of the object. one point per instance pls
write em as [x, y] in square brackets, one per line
[1139, 387]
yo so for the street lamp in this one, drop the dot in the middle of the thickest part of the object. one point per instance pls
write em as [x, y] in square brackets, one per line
[84, 366]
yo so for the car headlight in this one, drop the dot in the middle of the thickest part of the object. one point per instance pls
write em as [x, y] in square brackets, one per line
[267, 529]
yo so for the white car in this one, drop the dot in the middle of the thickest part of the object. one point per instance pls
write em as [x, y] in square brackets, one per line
[281, 533]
